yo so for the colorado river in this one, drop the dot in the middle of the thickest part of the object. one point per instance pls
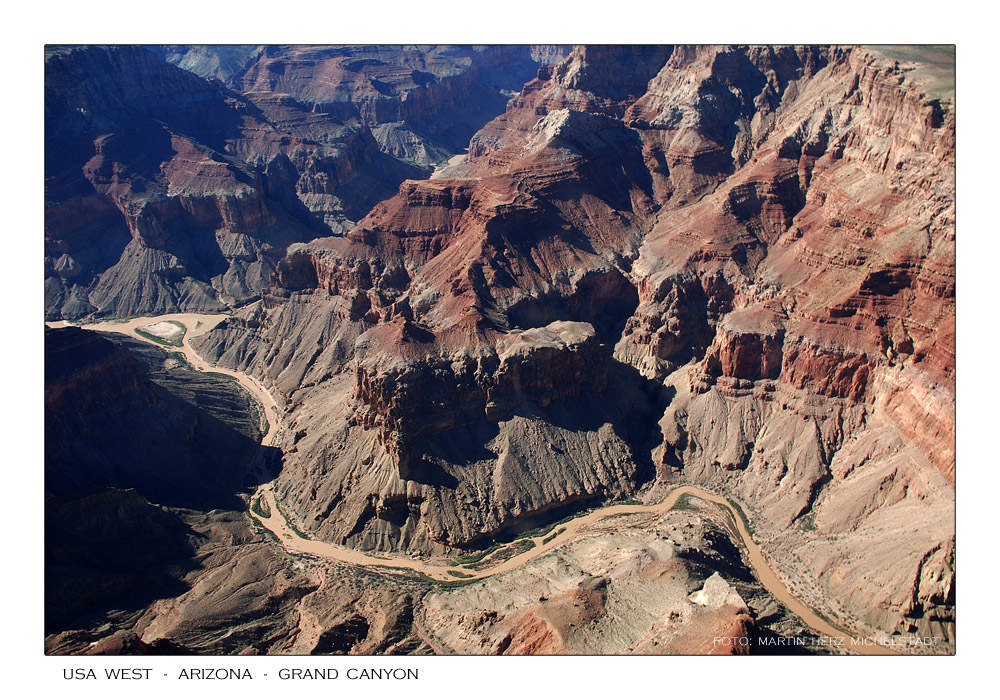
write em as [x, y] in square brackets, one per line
[197, 324]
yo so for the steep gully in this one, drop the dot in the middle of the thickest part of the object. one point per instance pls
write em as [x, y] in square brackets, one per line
[198, 324]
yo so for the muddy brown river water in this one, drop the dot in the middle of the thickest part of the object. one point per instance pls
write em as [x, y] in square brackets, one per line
[197, 324]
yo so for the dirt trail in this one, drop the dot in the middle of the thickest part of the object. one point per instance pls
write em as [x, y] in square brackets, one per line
[198, 324]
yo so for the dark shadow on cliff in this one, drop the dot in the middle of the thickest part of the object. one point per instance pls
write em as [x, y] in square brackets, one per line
[553, 443]
[192, 449]
[562, 431]
[109, 549]
[130, 434]
[630, 404]
[462, 445]
[268, 466]
[603, 298]
[175, 453]
[719, 555]
[424, 471]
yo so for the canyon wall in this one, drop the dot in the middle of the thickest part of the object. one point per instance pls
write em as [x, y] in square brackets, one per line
[755, 247]
[168, 189]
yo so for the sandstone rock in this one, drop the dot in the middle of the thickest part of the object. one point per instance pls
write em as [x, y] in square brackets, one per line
[717, 592]
[614, 589]
[762, 242]
[190, 192]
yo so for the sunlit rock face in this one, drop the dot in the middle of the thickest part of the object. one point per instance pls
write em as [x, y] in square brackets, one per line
[732, 266]
[177, 177]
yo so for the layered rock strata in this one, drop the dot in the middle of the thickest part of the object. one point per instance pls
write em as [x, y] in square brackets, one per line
[168, 191]
[762, 240]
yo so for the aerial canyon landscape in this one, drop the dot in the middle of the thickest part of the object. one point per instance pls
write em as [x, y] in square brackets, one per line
[499, 350]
